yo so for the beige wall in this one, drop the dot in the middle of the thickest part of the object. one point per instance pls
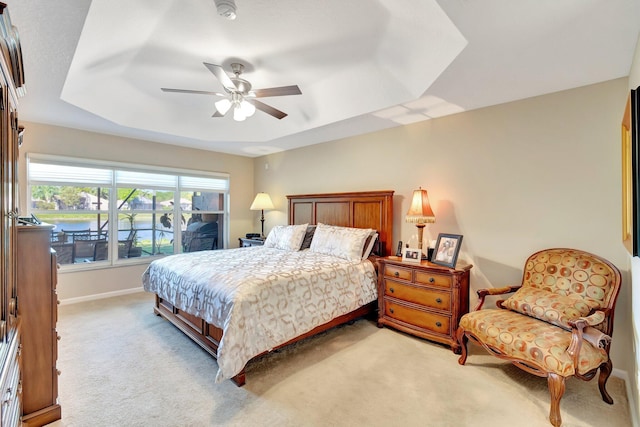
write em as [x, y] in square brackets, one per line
[512, 179]
[46, 139]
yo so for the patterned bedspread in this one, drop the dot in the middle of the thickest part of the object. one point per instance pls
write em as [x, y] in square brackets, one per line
[260, 297]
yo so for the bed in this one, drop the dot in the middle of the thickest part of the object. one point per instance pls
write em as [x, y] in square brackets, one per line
[268, 297]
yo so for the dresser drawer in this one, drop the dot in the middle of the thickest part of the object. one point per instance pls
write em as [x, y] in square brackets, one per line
[413, 316]
[433, 279]
[11, 399]
[10, 388]
[419, 295]
[398, 272]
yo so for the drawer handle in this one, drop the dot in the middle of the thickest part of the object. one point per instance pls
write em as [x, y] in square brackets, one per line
[391, 290]
[397, 274]
[439, 300]
[438, 324]
[431, 280]
[391, 310]
[58, 337]
[12, 306]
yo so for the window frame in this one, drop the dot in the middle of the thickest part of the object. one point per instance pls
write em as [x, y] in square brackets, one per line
[113, 212]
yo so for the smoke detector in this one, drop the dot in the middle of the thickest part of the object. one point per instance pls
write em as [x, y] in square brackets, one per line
[226, 8]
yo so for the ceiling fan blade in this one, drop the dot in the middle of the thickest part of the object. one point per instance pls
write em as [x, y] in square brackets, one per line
[222, 76]
[199, 92]
[277, 91]
[268, 109]
[217, 114]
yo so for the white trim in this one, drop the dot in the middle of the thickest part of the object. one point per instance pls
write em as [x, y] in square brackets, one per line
[94, 297]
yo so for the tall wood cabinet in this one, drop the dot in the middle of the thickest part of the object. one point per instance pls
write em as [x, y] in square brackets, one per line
[37, 277]
[11, 87]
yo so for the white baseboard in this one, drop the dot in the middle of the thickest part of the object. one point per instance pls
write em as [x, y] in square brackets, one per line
[101, 296]
[633, 406]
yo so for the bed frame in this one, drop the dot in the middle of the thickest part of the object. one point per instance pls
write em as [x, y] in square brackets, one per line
[370, 209]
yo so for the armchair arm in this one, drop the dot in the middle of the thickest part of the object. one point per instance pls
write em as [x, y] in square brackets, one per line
[577, 331]
[482, 294]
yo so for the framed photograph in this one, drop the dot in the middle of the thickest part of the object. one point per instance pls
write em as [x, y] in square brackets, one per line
[630, 182]
[447, 249]
[412, 255]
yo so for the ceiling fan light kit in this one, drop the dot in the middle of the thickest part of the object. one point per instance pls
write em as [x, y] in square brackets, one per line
[241, 107]
[226, 9]
[239, 95]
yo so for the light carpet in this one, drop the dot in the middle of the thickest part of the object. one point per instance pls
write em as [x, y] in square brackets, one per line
[123, 366]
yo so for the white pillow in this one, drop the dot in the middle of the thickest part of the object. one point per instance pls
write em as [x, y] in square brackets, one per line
[286, 237]
[343, 242]
[369, 247]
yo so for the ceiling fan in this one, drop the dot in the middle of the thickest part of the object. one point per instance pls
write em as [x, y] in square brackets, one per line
[239, 96]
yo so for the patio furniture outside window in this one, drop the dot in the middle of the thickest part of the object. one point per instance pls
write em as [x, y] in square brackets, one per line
[119, 213]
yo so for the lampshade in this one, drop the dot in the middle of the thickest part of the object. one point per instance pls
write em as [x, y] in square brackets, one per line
[261, 202]
[247, 108]
[238, 114]
[223, 106]
[420, 211]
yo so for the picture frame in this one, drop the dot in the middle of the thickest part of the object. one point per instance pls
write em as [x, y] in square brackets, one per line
[630, 175]
[412, 255]
[447, 250]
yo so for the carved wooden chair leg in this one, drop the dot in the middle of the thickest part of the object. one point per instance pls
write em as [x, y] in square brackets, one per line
[605, 372]
[556, 390]
[462, 341]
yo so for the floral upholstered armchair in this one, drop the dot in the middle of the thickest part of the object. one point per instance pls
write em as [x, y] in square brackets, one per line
[557, 324]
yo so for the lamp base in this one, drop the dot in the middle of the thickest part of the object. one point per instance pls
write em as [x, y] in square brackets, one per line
[420, 227]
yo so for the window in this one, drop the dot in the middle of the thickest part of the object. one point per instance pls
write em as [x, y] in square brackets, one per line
[116, 213]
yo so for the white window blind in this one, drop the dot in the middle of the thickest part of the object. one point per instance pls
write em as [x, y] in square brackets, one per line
[51, 173]
[62, 172]
[205, 184]
[126, 178]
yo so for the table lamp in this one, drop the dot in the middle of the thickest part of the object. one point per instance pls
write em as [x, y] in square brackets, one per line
[260, 203]
[420, 213]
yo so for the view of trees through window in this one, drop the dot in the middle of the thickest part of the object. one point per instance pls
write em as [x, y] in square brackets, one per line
[186, 215]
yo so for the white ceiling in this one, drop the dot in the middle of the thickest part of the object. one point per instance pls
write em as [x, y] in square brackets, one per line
[362, 65]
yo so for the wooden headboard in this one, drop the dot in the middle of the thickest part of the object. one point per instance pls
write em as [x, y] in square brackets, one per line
[365, 209]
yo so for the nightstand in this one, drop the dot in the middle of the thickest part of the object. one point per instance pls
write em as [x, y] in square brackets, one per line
[425, 299]
[249, 242]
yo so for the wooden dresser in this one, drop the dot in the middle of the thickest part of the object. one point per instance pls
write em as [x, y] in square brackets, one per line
[38, 312]
[11, 88]
[425, 299]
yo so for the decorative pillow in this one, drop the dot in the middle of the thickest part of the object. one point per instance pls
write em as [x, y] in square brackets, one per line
[308, 236]
[549, 306]
[343, 242]
[368, 244]
[286, 237]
